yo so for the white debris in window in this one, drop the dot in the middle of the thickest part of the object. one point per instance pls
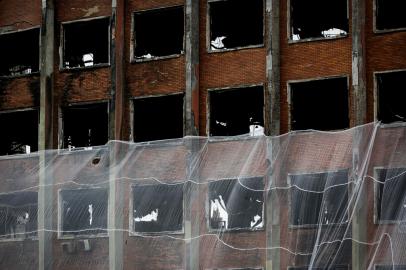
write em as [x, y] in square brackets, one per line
[224, 124]
[153, 216]
[88, 59]
[256, 130]
[218, 212]
[90, 214]
[257, 222]
[333, 32]
[217, 43]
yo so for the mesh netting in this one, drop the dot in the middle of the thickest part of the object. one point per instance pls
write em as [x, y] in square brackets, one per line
[303, 200]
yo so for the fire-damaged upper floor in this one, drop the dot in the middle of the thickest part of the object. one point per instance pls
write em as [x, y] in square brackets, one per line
[94, 72]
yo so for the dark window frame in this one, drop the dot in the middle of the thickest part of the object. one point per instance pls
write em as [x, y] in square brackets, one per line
[262, 179]
[377, 219]
[290, 102]
[227, 89]
[290, 34]
[31, 236]
[208, 30]
[150, 97]
[376, 89]
[61, 125]
[61, 234]
[132, 231]
[63, 25]
[314, 226]
[382, 31]
[133, 58]
[39, 54]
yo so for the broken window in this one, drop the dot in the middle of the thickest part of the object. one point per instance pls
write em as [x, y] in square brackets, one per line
[157, 208]
[236, 111]
[391, 194]
[85, 125]
[319, 104]
[158, 118]
[83, 211]
[19, 53]
[236, 204]
[391, 96]
[86, 43]
[158, 32]
[326, 194]
[20, 132]
[318, 19]
[18, 215]
[390, 14]
[236, 23]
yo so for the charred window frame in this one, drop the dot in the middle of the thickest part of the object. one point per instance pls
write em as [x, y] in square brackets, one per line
[82, 46]
[390, 190]
[234, 33]
[320, 191]
[389, 16]
[244, 113]
[18, 215]
[389, 95]
[314, 105]
[82, 212]
[320, 25]
[157, 209]
[165, 40]
[79, 128]
[157, 117]
[21, 134]
[225, 213]
[19, 53]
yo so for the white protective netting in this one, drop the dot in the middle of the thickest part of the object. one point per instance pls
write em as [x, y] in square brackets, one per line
[304, 200]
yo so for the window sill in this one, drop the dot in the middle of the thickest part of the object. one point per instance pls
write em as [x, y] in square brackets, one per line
[237, 230]
[157, 58]
[10, 77]
[235, 48]
[142, 234]
[291, 41]
[83, 236]
[5, 240]
[386, 31]
[73, 69]
[316, 226]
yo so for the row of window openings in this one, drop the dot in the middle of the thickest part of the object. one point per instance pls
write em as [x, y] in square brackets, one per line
[319, 105]
[233, 204]
[160, 32]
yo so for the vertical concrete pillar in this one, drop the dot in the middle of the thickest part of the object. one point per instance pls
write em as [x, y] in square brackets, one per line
[46, 135]
[272, 210]
[191, 107]
[192, 213]
[359, 221]
[359, 103]
[272, 66]
[116, 113]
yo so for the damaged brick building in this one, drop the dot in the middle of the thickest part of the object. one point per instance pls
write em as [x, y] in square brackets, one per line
[77, 74]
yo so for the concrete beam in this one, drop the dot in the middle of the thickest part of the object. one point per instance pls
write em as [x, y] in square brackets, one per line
[191, 107]
[46, 136]
[273, 66]
[358, 63]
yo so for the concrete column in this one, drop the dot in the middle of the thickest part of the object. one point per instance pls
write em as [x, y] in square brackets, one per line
[272, 208]
[116, 113]
[46, 136]
[191, 107]
[358, 62]
[359, 221]
[192, 214]
[273, 66]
